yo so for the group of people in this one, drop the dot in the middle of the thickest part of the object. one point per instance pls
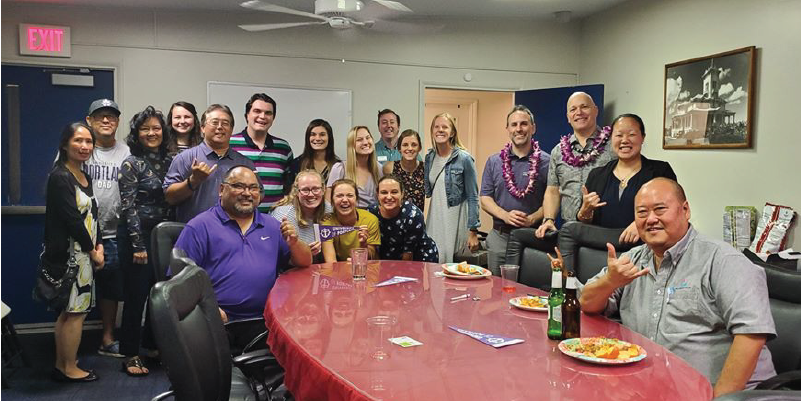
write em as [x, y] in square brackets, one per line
[104, 197]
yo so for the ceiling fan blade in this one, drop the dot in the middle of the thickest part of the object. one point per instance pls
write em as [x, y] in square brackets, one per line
[394, 5]
[269, 27]
[272, 8]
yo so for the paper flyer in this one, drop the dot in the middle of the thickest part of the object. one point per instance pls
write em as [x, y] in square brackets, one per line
[489, 339]
[395, 280]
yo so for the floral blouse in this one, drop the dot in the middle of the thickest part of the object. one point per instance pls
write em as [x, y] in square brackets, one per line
[404, 233]
[412, 182]
[141, 196]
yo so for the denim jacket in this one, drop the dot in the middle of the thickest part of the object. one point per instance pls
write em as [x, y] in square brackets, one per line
[460, 182]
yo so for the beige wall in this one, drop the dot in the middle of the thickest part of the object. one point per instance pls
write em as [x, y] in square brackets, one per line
[629, 47]
[491, 133]
[166, 56]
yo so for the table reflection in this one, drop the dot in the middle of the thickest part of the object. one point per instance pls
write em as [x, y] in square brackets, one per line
[318, 318]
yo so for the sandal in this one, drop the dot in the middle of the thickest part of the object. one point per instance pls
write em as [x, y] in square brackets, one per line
[134, 362]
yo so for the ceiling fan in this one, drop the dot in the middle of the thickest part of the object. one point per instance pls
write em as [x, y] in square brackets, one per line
[339, 14]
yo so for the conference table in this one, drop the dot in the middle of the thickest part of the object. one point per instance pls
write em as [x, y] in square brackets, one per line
[318, 321]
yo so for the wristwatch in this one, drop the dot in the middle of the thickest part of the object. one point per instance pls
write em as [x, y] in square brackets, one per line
[548, 218]
[189, 184]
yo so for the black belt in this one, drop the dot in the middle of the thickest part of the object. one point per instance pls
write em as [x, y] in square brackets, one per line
[503, 228]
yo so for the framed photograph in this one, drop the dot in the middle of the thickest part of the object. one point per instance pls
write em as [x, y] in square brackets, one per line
[709, 101]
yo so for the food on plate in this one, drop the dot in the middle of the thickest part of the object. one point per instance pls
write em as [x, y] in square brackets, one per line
[463, 268]
[533, 302]
[605, 348]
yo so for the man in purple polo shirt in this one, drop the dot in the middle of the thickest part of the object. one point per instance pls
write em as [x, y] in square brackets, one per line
[514, 198]
[242, 250]
[196, 174]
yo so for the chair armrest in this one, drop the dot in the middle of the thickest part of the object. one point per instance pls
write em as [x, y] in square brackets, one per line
[164, 395]
[790, 380]
[259, 339]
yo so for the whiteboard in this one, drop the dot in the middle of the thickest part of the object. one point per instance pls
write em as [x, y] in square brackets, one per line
[295, 108]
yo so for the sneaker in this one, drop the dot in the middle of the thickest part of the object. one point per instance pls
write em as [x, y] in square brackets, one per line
[112, 350]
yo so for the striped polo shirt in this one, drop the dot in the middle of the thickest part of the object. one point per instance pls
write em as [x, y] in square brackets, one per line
[272, 164]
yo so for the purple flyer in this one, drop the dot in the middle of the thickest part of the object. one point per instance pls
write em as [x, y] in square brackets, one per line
[489, 339]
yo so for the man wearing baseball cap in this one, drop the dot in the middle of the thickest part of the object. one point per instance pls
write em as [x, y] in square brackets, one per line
[104, 117]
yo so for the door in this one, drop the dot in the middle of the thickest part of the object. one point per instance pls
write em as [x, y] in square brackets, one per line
[549, 107]
[34, 113]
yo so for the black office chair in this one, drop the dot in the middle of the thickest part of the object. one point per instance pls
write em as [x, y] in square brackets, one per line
[785, 306]
[584, 247]
[194, 346]
[162, 240]
[530, 253]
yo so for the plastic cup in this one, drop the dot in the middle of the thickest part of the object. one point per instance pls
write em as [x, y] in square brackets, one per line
[509, 277]
[379, 329]
[358, 263]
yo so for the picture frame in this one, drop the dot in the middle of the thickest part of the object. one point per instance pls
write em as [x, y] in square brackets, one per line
[708, 101]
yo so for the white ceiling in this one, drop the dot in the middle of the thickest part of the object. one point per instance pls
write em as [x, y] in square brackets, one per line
[428, 9]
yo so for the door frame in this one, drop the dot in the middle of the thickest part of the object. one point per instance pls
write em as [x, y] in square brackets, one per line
[421, 98]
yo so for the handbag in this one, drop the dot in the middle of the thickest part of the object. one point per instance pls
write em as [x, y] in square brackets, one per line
[55, 292]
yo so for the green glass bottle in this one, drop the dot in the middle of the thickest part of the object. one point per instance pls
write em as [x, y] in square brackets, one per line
[555, 301]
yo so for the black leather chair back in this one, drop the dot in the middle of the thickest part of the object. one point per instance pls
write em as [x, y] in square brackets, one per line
[529, 252]
[190, 336]
[162, 240]
[589, 261]
[784, 289]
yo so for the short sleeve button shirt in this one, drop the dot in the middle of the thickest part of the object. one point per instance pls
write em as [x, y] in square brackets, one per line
[704, 292]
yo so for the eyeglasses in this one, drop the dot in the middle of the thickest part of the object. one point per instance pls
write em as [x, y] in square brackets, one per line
[312, 190]
[219, 123]
[103, 116]
[238, 187]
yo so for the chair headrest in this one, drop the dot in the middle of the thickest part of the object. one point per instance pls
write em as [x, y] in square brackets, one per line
[783, 284]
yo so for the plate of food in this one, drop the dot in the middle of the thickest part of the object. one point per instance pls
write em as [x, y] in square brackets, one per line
[464, 271]
[602, 350]
[532, 303]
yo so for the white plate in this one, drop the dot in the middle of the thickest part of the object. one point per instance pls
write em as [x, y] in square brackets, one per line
[449, 271]
[516, 303]
[565, 347]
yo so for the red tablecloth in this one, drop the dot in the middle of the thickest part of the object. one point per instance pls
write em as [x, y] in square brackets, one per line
[318, 332]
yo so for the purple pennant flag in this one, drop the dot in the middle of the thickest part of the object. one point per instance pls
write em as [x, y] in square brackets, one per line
[325, 233]
[489, 339]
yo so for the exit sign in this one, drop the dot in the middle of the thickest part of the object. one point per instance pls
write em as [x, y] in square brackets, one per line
[44, 40]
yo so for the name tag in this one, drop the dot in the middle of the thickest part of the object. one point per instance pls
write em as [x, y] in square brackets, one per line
[381, 159]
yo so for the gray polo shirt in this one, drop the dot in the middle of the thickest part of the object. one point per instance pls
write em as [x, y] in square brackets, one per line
[704, 293]
[205, 195]
[494, 185]
[569, 179]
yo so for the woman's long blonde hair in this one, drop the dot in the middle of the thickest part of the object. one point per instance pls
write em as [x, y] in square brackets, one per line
[455, 142]
[292, 199]
[350, 161]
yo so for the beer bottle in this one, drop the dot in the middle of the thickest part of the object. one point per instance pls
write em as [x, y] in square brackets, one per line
[571, 309]
[555, 300]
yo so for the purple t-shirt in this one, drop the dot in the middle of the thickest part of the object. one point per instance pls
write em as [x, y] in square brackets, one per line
[494, 186]
[242, 268]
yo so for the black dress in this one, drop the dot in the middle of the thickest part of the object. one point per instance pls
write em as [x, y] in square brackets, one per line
[404, 233]
[72, 215]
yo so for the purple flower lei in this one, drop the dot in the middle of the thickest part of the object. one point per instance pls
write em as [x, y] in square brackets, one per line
[533, 170]
[596, 147]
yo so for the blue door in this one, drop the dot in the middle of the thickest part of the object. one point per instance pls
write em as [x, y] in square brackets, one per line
[34, 113]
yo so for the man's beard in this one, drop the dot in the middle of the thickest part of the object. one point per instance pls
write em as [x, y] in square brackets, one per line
[244, 210]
